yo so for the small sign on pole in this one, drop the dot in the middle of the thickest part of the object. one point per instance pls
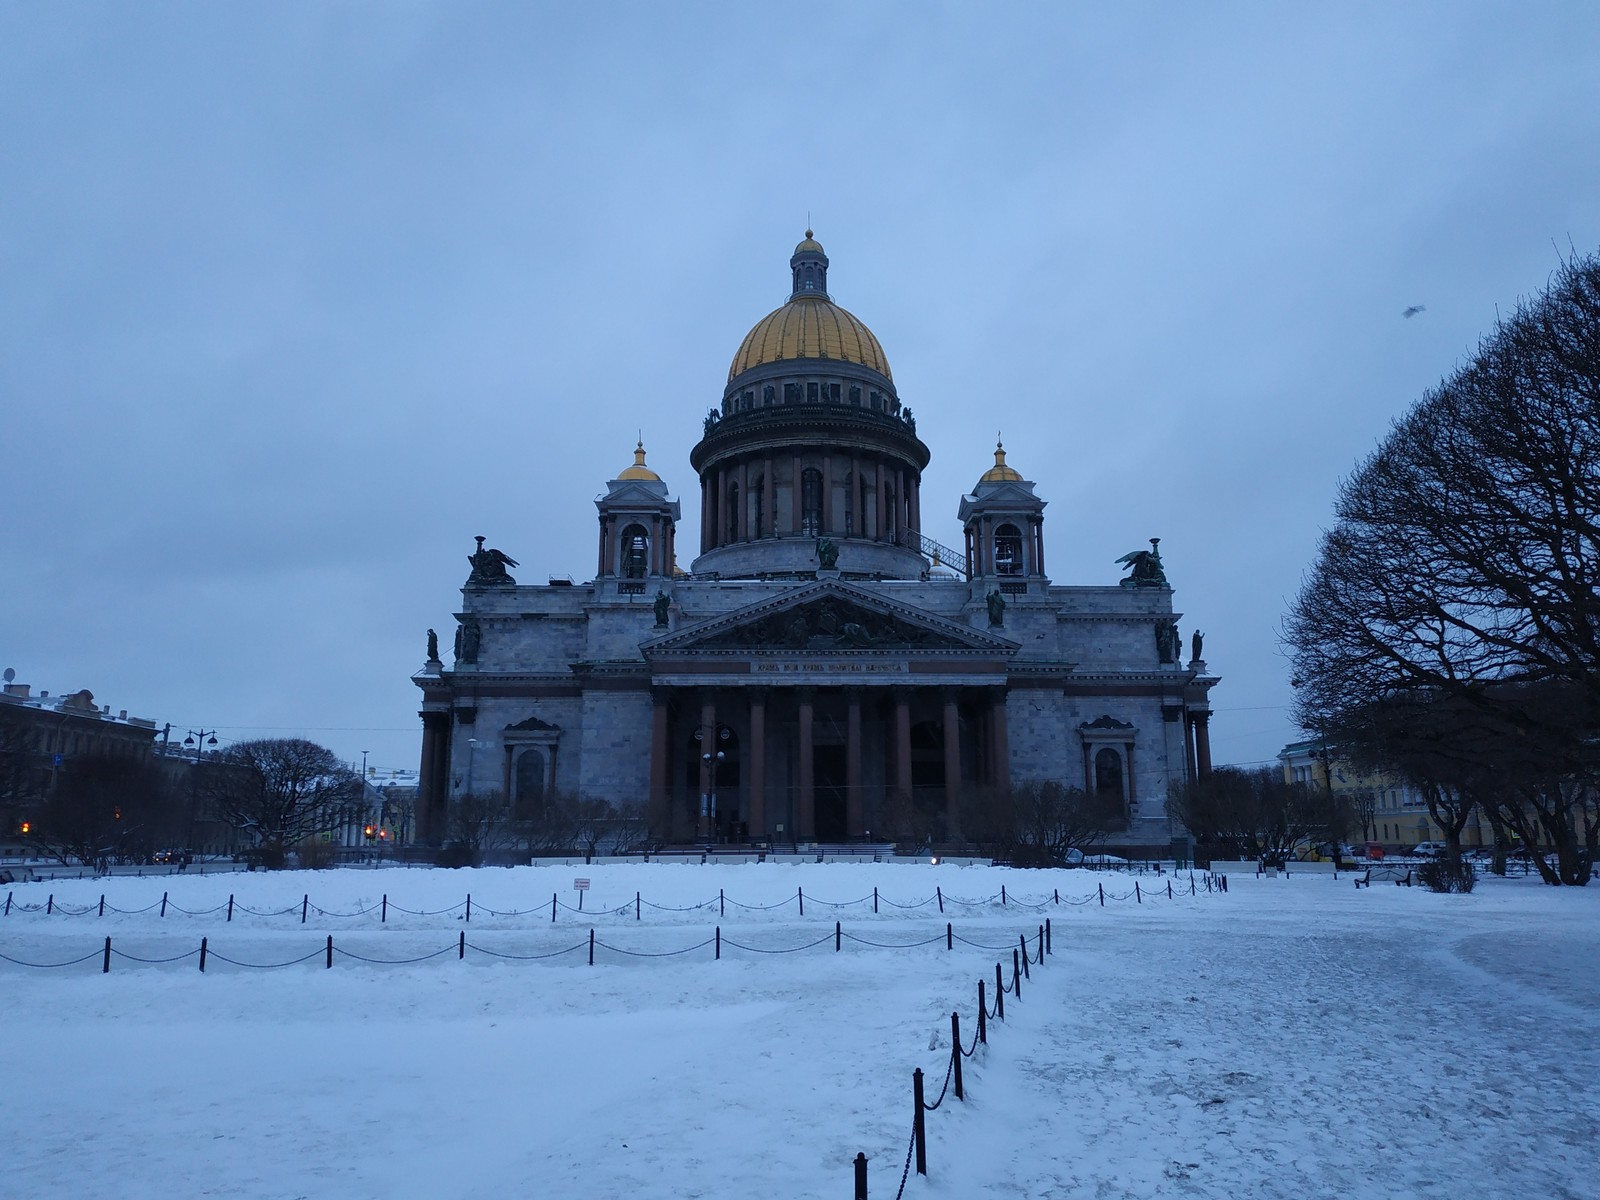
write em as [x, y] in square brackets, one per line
[581, 886]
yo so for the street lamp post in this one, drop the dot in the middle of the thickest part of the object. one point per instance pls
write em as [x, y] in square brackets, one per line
[197, 739]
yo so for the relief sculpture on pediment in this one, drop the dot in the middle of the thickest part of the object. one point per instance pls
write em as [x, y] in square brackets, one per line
[827, 625]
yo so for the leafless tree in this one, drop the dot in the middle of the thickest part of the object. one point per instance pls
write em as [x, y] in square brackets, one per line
[278, 791]
[102, 810]
[1257, 813]
[1465, 559]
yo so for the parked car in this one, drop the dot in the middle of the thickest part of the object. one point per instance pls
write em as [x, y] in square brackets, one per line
[1427, 850]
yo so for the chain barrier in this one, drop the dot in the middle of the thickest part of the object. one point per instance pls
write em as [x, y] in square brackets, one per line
[1213, 884]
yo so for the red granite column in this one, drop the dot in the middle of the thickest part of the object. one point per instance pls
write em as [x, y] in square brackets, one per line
[1202, 743]
[757, 819]
[902, 741]
[854, 807]
[1002, 746]
[660, 810]
[952, 766]
[806, 807]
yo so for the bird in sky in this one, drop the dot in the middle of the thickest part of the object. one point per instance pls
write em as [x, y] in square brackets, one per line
[1414, 310]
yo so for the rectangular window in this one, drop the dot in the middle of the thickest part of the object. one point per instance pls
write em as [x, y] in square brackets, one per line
[811, 392]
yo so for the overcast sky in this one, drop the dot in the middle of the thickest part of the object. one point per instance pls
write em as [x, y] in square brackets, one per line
[296, 299]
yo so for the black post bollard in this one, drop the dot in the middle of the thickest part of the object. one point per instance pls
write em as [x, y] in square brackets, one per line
[983, 1016]
[591, 946]
[102, 904]
[163, 904]
[1024, 940]
[949, 936]
[1102, 890]
[305, 903]
[1016, 977]
[722, 904]
[1058, 895]
[874, 901]
[383, 917]
[552, 908]
[580, 899]
[636, 907]
[1002, 895]
[1136, 894]
[918, 1133]
[330, 952]
[50, 904]
[105, 963]
[1049, 939]
[861, 1177]
[999, 993]
[1169, 889]
[940, 895]
[955, 1049]
[8, 902]
[801, 892]
[719, 942]
[202, 954]
[1040, 958]
[838, 936]
[461, 946]
[230, 907]
[469, 907]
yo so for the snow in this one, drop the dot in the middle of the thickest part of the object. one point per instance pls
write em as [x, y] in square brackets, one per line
[1294, 1037]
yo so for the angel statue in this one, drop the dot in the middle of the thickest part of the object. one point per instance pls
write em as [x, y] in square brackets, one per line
[1146, 566]
[489, 567]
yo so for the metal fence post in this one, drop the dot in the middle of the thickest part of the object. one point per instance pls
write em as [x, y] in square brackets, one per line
[983, 1016]
[305, 903]
[230, 907]
[949, 936]
[1016, 977]
[105, 963]
[918, 1132]
[591, 946]
[719, 941]
[1101, 888]
[383, 917]
[940, 894]
[999, 993]
[202, 954]
[861, 1177]
[330, 951]
[461, 946]
[838, 936]
[1049, 947]
[955, 1049]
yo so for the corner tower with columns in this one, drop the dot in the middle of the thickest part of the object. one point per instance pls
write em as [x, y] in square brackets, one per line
[825, 672]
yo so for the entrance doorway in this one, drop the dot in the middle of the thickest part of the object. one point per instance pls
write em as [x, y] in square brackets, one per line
[828, 776]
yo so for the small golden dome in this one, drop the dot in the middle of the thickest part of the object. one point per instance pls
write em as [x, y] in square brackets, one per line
[810, 327]
[639, 470]
[1000, 473]
[810, 245]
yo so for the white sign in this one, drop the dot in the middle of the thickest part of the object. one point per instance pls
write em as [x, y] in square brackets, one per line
[581, 885]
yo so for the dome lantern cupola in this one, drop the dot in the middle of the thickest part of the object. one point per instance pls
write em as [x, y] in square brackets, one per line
[1004, 523]
[810, 267]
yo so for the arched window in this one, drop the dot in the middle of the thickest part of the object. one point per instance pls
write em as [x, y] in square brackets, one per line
[1108, 777]
[1008, 550]
[530, 785]
[733, 512]
[635, 552]
[758, 523]
[811, 502]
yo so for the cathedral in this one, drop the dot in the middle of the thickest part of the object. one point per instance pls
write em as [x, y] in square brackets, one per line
[822, 672]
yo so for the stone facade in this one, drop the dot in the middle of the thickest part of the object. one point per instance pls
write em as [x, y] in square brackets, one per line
[823, 672]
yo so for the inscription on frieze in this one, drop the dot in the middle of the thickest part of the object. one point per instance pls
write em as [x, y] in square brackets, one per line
[813, 667]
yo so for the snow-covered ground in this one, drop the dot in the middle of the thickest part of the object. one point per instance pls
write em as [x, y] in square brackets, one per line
[1294, 1037]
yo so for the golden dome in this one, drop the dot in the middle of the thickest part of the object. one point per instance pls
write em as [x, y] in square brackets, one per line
[810, 245]
[1000, 473]
[639, 470]
[810, 327]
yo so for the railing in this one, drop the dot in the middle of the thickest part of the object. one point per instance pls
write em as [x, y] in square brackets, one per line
[933, 551]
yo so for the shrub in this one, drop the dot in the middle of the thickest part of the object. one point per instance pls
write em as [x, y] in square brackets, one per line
[458, 854]
[315, 854]
[1442, 875]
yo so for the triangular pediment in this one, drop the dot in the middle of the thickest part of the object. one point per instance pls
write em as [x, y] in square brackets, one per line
[828, 617]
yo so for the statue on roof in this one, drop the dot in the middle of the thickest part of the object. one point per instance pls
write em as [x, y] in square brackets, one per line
[1196, 644]
[827, 554]
[433, 646]
[997, 607]
[489, 567]
[662, 606]
[1146, 568]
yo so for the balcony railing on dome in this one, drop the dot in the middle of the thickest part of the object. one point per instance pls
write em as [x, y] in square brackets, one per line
[936, 554]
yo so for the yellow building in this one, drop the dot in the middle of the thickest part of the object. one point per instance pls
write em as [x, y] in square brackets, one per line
[1394, 814]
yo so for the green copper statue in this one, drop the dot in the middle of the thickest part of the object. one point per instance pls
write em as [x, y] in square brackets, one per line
[1146, 568]
[997, 607]
[662, 605]
[827, 554]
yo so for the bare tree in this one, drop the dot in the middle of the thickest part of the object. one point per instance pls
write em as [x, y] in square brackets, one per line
[279, 791]
[1465, 560]
[1049, 819]
[1257, 814]
[102, 810]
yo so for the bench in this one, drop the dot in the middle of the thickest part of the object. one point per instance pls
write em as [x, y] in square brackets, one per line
[1385, 875]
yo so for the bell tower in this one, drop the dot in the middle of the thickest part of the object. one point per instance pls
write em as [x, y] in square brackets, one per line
[1004, 524]
[638, 526]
